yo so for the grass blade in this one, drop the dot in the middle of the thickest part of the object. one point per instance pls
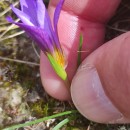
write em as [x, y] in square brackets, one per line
[79, 50]
[58, 126]
[8, 9]
[39, 120]
[12, 36]
[12, 26]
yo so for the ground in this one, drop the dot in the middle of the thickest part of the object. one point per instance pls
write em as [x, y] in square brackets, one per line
[22, 97]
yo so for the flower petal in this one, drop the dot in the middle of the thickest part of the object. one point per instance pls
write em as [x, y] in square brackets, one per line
[41, 13]
[57, 14]
[55, 21]
[23, 17]
[27, 4]
[40, 36]
[43, 17]
[29, 8]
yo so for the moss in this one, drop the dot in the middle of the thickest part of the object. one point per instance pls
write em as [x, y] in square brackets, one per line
[38, 108]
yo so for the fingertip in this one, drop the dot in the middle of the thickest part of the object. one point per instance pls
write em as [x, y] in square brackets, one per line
[86, 9]
[52, 84]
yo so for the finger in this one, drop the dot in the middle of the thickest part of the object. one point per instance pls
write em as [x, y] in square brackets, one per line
[71, 24]
[92, 10]
[101, 88]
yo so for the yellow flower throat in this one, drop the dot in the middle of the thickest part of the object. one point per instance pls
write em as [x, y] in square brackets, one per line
[59, 57]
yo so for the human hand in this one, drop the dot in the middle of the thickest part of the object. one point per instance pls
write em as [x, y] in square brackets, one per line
[105, 100]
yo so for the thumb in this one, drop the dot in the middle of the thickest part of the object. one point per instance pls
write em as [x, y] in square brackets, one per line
[101, 88]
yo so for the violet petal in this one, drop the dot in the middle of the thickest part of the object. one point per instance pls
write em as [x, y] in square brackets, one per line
[57, 14]
[23, 17]
[27, 4]
[29, 8]
[48, 24]
[40, 10]
[40, 36]
[55, 21]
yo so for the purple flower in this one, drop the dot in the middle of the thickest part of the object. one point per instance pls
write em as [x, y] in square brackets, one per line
[36, 23]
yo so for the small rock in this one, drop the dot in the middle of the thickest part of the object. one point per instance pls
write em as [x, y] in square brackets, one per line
[13, 107]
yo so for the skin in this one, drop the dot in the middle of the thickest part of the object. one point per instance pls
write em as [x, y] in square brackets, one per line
[109, 62]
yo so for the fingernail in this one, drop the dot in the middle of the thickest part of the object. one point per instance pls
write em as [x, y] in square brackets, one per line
[89, 96]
